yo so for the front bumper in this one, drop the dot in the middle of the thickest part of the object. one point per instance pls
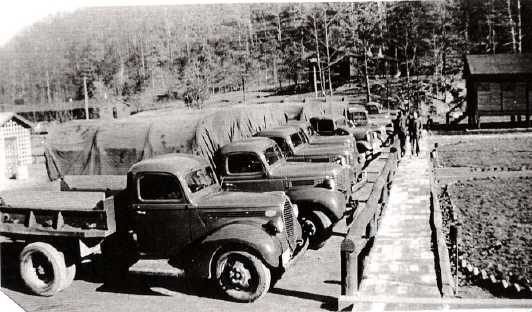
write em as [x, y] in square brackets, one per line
[289, 257]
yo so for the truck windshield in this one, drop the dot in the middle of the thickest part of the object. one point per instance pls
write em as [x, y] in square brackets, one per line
[272, 154]
[303, 135]
[296, 139]
[282, 144]
[200, 179]
[325, 126]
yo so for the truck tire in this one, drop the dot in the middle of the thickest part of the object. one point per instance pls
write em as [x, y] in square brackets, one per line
[42, 268]
[242, 276]
[317, 228]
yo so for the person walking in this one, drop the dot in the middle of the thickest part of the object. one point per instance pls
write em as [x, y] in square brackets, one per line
[400, 131]
[414, 131]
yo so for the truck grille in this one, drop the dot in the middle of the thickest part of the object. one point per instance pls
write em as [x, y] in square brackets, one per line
[288, 217]
[343, 180]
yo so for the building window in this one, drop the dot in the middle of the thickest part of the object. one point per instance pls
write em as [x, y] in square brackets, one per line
[507, 86]
[484, 86]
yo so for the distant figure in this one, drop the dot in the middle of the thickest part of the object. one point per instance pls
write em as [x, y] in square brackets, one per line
[399, 126]
[430, 124]
[414, 131]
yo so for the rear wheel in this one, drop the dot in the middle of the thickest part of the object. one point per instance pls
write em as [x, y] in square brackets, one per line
[43, 269]
[242, 276]
[316, 228]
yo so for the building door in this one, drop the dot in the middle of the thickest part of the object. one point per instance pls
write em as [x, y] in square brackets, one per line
[11, 153]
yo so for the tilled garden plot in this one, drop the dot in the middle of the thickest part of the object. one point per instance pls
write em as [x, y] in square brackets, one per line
[509, 151]
[495, 222]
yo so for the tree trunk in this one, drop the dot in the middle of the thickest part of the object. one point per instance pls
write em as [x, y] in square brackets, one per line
[322, 84]
[142, 61]
[519, 28]
[366, 75]
[328, 53]
[512, 25]
[48, 94]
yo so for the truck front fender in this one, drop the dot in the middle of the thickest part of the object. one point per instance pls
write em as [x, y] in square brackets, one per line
[330, 202]
[239, 236]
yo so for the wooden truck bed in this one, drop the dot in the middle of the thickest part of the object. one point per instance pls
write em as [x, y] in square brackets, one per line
[71, 214]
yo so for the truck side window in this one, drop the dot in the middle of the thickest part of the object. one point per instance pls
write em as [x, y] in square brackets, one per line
[157, 186]
[244, 163]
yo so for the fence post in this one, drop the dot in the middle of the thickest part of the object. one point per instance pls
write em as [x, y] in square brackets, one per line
[349, 267]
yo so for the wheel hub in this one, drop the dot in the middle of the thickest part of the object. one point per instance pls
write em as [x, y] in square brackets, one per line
[239, 275]
[309, 228]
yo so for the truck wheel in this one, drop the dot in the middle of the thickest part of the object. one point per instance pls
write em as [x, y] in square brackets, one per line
[42, 268]
[242, 276]
[316, 228]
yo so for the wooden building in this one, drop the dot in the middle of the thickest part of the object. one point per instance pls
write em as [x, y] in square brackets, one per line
[498, 84]
[15, 144]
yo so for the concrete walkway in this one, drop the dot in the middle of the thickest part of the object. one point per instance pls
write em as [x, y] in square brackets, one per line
[401, 262]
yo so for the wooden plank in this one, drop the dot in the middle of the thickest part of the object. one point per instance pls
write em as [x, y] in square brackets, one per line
[498, 302]
[363, 193]
[16, 230]
[94, 183]
[50, 200]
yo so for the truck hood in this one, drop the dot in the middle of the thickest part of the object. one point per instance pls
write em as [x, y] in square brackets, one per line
[303, 169]
[320, 150]
[242, 200]
[335, 139]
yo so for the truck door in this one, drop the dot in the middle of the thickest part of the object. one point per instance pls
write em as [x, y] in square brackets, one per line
[161, 214]
[246, 172]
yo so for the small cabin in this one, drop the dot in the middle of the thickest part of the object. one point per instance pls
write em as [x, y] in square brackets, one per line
[498, 85]
[15, 144]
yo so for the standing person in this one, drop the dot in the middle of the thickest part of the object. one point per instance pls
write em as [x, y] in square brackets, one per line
[400, 130]
[414, 130]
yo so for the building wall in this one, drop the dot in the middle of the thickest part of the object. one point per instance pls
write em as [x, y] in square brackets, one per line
[23, 143]
[501, 97]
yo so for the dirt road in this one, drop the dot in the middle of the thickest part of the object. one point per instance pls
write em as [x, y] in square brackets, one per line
[311, 284]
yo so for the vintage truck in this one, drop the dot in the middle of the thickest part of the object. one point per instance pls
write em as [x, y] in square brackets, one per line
[293, 144]
[172, 208]
[320, 190]
[366, 135]
[348, 141]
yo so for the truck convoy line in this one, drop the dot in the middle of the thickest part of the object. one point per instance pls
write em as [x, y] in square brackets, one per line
[240, 234]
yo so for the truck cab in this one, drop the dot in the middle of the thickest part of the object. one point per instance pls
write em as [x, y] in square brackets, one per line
[177, 210]
[320, 190]
[346, 141]
[358, 115]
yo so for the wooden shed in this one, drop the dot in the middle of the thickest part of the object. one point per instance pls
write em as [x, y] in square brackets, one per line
[15, 143]
[498, 84]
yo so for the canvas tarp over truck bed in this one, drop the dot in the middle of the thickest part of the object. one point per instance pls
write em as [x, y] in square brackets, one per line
[96, 147]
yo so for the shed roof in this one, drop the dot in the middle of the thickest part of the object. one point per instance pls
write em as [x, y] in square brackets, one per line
[499, 64]
[7, 116]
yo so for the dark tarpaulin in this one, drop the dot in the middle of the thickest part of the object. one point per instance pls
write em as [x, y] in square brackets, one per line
[97, 147]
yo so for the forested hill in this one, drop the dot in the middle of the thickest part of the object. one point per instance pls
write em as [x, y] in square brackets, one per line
[199, 49]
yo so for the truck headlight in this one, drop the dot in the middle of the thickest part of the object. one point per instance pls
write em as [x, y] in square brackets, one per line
[275, 226]
[341, 160]
[329, 183]
[295, 210]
